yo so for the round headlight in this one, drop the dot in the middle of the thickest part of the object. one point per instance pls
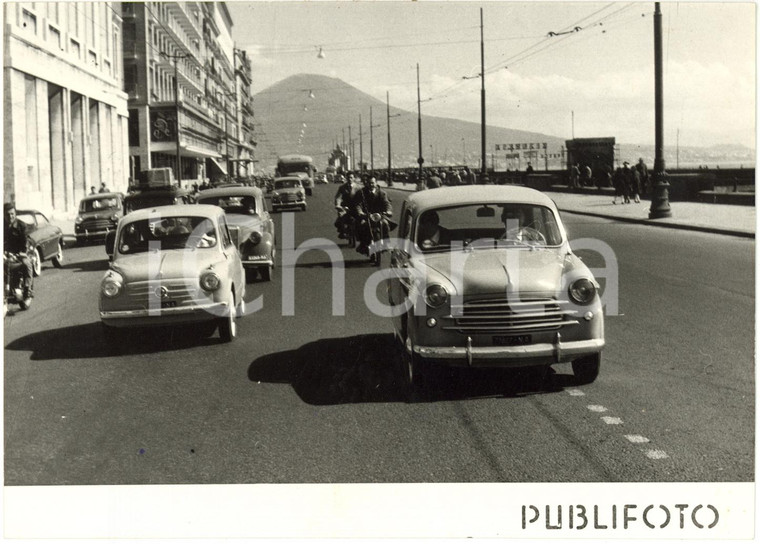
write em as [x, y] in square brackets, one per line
[436, 295]
[255, 237]
[210, 281]
[582, 291]
[78, 220]
[114, 217]
[111, 288]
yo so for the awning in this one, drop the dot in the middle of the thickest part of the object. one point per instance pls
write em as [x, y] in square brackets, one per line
[215, 169]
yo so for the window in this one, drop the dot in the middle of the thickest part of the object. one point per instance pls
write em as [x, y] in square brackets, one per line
[54, 35]
[75, 49]
[29, 21]
[92, 58]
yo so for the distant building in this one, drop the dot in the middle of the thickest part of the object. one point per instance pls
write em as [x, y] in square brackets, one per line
[192, 39]
[65, 113]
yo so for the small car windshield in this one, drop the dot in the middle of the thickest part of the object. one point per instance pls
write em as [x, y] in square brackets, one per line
[27, 218]
[287, 184]
[487, 225]
[97, 204]
[165, 233]
[232, 204]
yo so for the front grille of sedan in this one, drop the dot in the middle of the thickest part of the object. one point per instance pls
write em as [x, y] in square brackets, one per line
[97, 224]
[499, 316]
[144, 293]
[289, 197]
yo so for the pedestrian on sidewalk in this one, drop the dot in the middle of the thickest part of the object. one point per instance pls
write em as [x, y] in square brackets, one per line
[635, 184]
[641, 167]
[618, 181]
[627, 182]
[575, 174]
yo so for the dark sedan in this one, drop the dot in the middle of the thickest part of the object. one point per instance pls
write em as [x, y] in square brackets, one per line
[45, 240]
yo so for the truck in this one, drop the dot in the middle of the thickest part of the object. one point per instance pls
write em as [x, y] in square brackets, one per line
[291, 165]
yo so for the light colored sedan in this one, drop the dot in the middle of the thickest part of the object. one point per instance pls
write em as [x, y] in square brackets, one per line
[173, 265]
[288, 193]
[250, 225]
[487, 278]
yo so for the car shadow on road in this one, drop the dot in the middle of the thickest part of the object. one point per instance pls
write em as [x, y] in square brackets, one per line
[87, 341]
[99, 265]
[368, 368]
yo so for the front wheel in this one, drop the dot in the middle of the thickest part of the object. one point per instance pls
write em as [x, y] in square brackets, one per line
[586, 369]
[34, 257]
[227, 324]
[416, 379]
[58, 259]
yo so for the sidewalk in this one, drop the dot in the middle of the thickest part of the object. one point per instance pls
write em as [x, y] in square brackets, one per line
[716, 218]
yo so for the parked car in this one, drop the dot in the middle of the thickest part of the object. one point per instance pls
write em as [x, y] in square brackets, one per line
[173, 265]
[250, 225]
[493, 282]
[98, 215]
[150, 197]
[288, 192]
[45, 240]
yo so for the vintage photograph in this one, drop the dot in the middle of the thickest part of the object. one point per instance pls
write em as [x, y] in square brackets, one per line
[334, 245]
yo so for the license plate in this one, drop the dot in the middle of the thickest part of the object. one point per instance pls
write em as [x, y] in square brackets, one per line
[516, 340]
[168, 303]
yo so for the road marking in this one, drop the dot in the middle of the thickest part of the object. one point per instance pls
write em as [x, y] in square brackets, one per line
[637, 439]
[656, 454]
[596, 408]
[612, 420]
[575, 392]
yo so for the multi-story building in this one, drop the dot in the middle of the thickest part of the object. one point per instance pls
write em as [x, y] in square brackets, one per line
[191, 43]
[65, 113]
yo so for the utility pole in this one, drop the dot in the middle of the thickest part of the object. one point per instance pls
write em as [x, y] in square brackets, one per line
[361, 148]
[371, 146]
[351, 145]
[420, 160]
[660, 206]
[482, 101]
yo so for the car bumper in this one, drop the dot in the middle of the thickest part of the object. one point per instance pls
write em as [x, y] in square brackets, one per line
[511, 356]
[258, 263]
[92, 233]
[164, 316]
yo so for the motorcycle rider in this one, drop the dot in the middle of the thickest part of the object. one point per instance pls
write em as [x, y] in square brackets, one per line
[15, 242]
[371, 199]
[344, 199]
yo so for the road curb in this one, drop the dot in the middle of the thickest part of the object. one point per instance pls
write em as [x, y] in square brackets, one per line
[679, 226]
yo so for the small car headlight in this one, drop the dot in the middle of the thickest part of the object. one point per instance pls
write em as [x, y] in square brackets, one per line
[255, 237]
[210, 281]
[582, 291]
[114, 217]
[111, 287]
[436, 295]
[78, 220]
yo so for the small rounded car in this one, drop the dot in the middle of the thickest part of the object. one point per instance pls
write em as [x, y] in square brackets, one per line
[44, 240]
[288, 192]
[98, 215]
[487, 278]
[173, 265]
[251, 226]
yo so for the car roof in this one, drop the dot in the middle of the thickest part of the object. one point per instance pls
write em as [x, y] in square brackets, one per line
[102, 195]
[230, 191]
[149, 191]
[174, 210]
[294, 158]
[477, 194]
[294, 178]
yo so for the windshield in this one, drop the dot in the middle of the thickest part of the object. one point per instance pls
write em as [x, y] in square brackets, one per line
[97, 204]
[487, 225]
[290, 168]
[158, 233]
[232, 204]
[287, 184]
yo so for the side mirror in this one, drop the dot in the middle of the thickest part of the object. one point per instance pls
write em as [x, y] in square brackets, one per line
[110, 243]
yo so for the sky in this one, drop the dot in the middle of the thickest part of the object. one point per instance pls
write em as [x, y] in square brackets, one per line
[594, 77]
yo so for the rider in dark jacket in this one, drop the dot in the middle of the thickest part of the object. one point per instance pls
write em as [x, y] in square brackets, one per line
[344, 198]
[15, 241]
[371, 199]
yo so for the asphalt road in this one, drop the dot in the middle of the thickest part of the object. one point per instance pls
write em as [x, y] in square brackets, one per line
[316, 397]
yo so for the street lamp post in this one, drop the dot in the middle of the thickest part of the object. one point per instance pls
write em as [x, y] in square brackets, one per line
[388, 118]
[660, 206]
[482, 101]
[420, 160]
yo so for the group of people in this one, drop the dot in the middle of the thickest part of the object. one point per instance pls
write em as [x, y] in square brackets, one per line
[630, 182]
[359, 203]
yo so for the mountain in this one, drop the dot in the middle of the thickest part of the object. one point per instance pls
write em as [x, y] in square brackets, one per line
[310, 114]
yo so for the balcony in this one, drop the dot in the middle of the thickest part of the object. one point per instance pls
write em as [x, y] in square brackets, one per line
[180, 10]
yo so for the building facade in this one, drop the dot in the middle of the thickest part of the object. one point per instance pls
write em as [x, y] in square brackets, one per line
[65, 113]
[198, 123]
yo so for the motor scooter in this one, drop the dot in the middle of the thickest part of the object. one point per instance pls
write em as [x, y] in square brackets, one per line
[13, 284]
[345, 224]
